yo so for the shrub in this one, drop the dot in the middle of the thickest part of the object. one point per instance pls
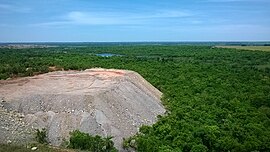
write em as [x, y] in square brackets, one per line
[41, 136]
[129, 143]
[84, 141]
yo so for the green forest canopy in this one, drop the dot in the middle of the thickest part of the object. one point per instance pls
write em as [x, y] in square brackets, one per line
[217, 98]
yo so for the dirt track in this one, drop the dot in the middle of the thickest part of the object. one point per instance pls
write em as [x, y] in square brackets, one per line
[98, 101]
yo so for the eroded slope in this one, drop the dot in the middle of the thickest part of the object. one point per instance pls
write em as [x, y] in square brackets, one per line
[97, 101]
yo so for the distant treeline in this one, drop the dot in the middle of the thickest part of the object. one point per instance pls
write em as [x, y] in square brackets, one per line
[100, 44]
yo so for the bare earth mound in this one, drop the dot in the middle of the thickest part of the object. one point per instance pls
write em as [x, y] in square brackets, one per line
[97, 101]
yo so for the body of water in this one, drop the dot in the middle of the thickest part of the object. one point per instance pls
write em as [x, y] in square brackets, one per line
[107, 54]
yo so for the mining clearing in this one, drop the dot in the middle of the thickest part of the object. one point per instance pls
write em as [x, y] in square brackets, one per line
[105, 102]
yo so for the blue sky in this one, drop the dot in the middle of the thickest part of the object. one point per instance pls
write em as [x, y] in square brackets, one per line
[137, 20]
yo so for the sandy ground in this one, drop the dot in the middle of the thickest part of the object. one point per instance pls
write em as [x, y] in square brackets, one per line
[97, 101]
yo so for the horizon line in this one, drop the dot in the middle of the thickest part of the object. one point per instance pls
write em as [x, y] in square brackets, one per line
[186, 41]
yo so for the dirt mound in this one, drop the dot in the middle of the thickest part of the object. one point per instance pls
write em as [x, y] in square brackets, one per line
[97, 101]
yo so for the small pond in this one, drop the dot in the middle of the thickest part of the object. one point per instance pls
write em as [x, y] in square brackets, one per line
[107, 54]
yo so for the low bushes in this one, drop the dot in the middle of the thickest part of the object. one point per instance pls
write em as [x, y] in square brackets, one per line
[84, 141]
[41, 136]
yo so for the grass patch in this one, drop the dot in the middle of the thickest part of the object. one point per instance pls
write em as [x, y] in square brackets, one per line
[252, 48]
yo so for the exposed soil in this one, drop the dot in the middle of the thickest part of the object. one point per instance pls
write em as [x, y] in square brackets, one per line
[97, 101]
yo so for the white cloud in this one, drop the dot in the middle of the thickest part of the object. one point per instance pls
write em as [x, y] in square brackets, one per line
[77, 17]
[167, 14]
[113, 18]
[14, 8]
[4, 6]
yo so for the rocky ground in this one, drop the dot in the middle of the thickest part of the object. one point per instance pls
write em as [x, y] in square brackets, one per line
[13, 128]
[97, 101]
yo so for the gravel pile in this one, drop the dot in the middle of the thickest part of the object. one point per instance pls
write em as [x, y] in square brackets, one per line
[97, 101]
[13, 128]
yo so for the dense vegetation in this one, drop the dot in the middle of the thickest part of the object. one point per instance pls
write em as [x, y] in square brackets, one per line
[217, 99]
[84, 141]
